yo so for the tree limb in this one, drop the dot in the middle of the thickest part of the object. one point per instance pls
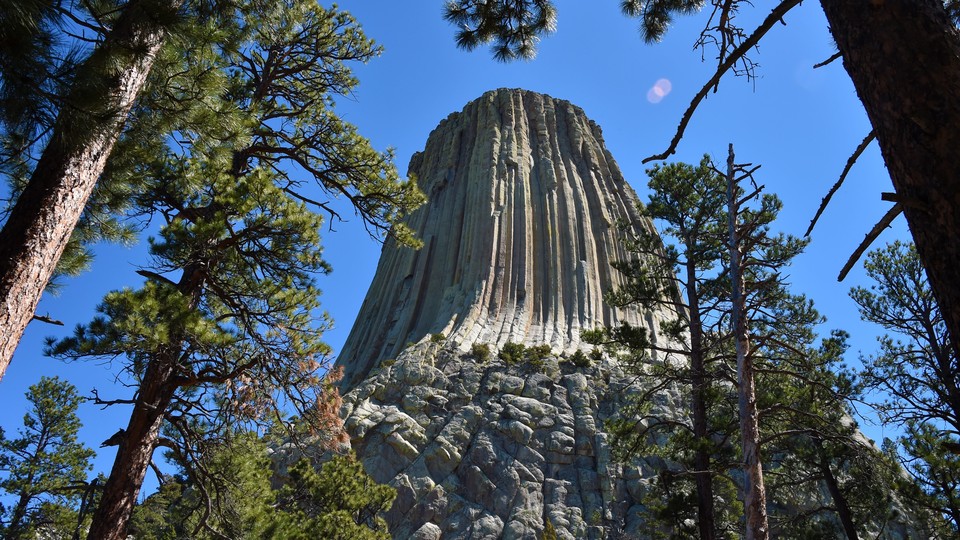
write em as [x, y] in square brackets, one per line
[738, 53]
[843, 176]
[884, 222]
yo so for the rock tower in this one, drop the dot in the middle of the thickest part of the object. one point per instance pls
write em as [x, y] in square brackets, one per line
[522, 225]
[519, 235]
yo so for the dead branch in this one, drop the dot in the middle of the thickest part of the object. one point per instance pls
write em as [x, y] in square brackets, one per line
[830, 60]
[738, 53]
[843, 176]
[884, 222]
[47, 319]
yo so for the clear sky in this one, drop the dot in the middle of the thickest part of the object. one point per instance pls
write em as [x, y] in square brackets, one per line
[801, 124]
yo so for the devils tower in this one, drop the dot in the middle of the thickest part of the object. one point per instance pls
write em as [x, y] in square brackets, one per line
[519, 235]
[522, 225]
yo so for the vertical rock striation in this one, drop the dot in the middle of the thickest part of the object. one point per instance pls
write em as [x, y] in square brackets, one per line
[519, 234]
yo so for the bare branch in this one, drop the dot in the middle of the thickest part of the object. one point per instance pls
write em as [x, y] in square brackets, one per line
[830, 60]
[884, 222]
[843, 176]
[47, 319]
[738, 53]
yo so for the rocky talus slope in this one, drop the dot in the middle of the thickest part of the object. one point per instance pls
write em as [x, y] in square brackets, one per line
[485, 450]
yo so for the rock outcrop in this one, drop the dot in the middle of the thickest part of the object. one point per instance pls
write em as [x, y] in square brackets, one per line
[485, 450]
[519, 235]
[520, 232]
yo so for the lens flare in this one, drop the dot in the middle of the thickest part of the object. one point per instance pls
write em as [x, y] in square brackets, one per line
[660, 90]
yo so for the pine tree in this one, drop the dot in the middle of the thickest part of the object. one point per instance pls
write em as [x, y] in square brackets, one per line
[46, 466]
[90, 116]
[916, 373]
[800, 391]
[687, 200]
[338, 502]
[227, 324]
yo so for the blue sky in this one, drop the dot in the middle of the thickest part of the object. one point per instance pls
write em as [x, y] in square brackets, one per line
[801, 124]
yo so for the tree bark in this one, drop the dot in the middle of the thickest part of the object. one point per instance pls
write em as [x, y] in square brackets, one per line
[134, 453]
[904, 59]
[839, 500]
[706, 521]
[88, 125]
[754, 496]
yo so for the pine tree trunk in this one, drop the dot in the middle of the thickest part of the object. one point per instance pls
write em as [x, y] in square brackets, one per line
[706, 521]
[135, 453]
[904, 59]
[90, 122]
[15, 526]
[839, 501]
[754, 498]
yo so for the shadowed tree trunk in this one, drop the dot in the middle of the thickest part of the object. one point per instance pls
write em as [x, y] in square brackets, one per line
[706, 521]
[839, 500]
[89, 124]
[904, 60]
[135, 453]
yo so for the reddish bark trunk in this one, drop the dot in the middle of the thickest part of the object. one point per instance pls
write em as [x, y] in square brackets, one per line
[904, 59]
[754, 497]
[44, 216]
[134, 454]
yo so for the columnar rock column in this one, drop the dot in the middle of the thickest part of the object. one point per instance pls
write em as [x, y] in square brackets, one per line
[519, 235]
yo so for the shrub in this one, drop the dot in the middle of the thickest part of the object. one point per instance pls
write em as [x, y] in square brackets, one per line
[536, 355]
[437, 338]
[480, 352]
[549, 531]
[512, 353]
[580, 359]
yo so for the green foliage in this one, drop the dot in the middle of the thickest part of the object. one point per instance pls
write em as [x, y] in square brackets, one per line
[338, 502]
[437, 338]
[549, 531]
[513, 27]
[512, 353]
[480, 352]
[46, 465]
[656, 15]
[536, 355]
[916, 374]
[580, 360]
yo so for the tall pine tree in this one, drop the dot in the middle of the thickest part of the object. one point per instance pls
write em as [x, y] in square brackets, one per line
[227, 325]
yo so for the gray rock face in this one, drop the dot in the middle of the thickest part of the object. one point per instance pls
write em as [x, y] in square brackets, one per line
[519, 233]
[493, 451]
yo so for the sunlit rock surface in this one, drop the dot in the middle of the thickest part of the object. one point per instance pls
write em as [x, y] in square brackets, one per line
[519, 235]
